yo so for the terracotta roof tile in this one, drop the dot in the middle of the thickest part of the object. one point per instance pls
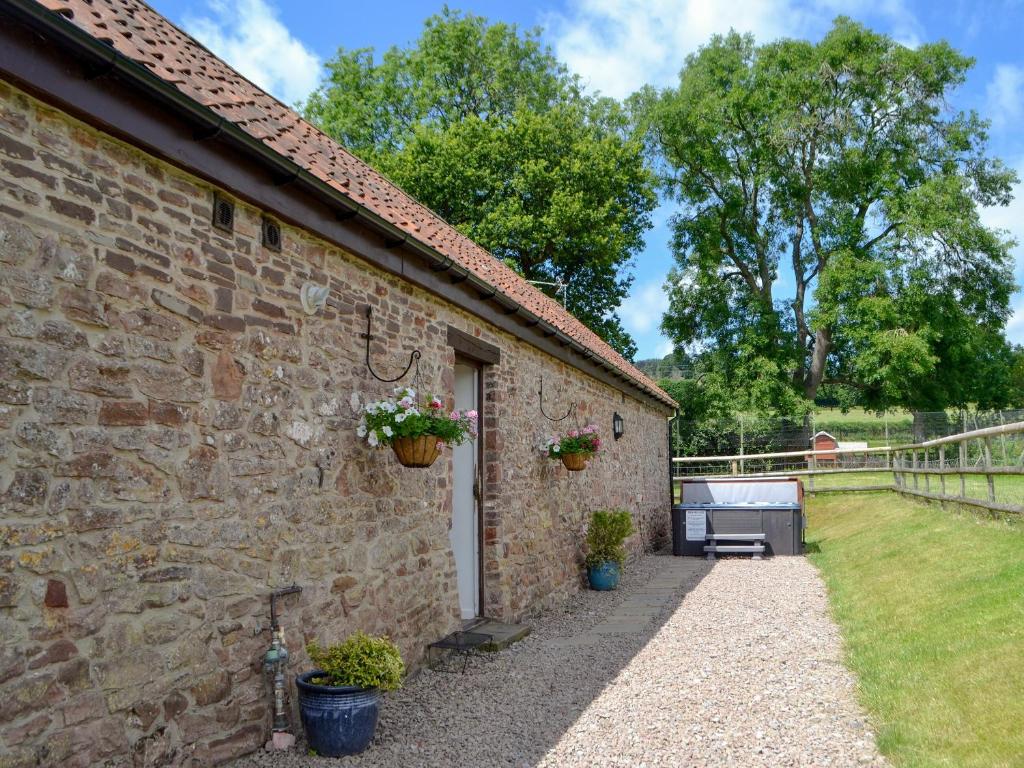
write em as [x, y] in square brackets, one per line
[143, 35]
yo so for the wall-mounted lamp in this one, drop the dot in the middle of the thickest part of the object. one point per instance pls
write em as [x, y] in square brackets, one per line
[617, 428]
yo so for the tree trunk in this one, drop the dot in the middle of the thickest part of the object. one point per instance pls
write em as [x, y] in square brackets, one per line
[822, 346]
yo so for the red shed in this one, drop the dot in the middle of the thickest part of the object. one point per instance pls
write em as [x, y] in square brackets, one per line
[823, 441]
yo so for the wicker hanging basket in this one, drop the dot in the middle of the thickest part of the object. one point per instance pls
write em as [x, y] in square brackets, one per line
[419, 451]
[574, 462]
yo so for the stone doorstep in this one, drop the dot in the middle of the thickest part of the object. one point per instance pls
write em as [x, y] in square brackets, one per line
[504, 634]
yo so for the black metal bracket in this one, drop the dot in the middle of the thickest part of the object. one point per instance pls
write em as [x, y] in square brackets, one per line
[413, 358]
[292, 590]
[568, 413]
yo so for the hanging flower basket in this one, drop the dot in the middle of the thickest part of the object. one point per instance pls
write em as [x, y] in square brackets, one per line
[575, 462]
[575, 448]
[419, 451]
[416, 431]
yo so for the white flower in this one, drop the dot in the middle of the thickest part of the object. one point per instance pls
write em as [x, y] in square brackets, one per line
[361, 430]
[400, 417]
[372, 439]
[388, 430]
[412, 411]
[389, 407]
[554, 448]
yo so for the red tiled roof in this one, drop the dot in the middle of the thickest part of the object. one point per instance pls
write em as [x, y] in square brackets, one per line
[143, 35]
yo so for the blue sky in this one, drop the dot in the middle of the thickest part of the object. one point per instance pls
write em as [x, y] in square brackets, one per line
[618, 45]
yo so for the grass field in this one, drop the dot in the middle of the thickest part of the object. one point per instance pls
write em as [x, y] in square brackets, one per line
[856, 415]
[931, 605]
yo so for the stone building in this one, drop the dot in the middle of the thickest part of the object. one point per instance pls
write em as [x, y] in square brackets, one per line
[178, 433]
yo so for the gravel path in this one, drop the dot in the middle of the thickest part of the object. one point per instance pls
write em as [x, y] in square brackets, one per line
[689, 663]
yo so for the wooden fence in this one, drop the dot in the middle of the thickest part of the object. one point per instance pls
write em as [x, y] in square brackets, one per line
[982, 468]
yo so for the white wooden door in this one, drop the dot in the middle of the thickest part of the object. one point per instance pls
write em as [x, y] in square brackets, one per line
[464, 532]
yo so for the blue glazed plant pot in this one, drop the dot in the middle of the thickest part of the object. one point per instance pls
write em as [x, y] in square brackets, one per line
[338, 720]
[604, 577]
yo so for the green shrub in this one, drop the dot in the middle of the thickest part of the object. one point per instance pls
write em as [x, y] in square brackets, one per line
[362, 661]
[608, 530]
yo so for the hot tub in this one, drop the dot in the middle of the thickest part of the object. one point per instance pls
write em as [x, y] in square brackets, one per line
[773, 508]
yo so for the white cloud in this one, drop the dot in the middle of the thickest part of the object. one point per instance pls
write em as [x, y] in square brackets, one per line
[619, 45]
[1005, 96]
[666, 347]
[250, 37]
[642, 310]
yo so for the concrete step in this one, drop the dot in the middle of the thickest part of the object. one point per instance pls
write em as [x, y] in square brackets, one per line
[504, 634]
[735, 537]
[756, 548]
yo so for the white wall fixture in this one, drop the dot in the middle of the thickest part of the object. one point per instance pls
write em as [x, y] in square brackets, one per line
[314, 297]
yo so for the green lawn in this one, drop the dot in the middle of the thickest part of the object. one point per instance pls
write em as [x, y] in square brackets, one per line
[931, 605]
[856, 415]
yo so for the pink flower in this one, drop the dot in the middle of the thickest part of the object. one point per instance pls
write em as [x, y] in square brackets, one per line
[597, 443]
[589, 429]
[440, 444]
[405, 402]
[436, 404]
[573, 433]
[471, 415]
[454, 416]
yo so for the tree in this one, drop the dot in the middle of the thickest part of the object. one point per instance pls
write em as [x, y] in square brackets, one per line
[484, 126]
[834, 172]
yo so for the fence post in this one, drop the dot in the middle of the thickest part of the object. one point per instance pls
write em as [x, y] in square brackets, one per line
[742, 444]
[927, 466]
[988, 465]
[914, 465]
[814, 468]
[942, 468]
[1002, 438]
[962, 445]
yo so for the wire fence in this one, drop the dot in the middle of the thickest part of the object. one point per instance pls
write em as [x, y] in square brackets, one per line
[983, 467]
[745, 434]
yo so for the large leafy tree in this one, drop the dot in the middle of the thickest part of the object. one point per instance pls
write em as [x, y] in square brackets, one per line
[828, 229]
[484, 126]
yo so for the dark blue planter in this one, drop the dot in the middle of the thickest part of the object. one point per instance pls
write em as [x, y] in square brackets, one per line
[338, 720]
[604, 577]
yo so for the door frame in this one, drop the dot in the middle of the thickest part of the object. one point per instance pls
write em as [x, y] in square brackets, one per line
[472, 350]
[478, 494]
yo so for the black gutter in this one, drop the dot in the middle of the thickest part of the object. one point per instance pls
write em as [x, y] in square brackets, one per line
[108, 60]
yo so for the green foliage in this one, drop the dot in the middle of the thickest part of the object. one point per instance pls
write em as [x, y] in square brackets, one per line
[605, 536]
[361, 661]
[585, 441]
[840, 163]
[483, 125]
[386, 420]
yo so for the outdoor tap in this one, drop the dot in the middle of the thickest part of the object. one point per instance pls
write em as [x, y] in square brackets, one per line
[274, 662]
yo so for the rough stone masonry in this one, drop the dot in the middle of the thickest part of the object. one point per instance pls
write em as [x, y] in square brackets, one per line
[178, 439]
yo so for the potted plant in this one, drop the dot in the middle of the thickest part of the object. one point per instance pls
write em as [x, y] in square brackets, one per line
[605, 554]
[339, 701]
[415, 430]
[574, 448]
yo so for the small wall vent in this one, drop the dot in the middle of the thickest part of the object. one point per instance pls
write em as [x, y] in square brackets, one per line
[271, 234]
[223, 214]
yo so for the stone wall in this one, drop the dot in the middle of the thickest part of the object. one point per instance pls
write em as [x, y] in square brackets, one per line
[178, 439]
